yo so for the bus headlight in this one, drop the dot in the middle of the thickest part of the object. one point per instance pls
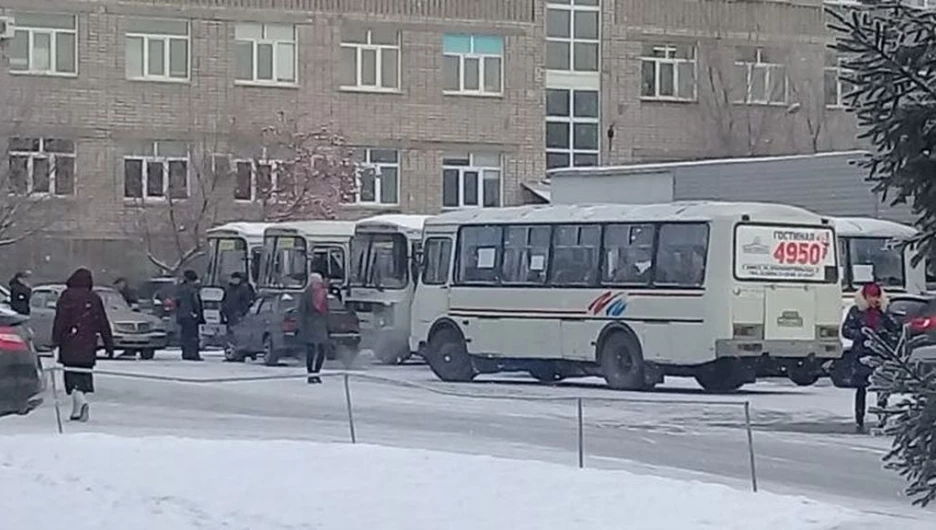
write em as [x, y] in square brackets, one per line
[827, 332]
[749, 331]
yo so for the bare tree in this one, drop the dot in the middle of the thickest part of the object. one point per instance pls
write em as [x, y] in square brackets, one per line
[303, 173]
[24, 190]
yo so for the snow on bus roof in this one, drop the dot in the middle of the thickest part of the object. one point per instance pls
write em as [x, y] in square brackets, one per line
[871, 227]
[677, 211]
[318, 228]
[247, 229]
[407, 222]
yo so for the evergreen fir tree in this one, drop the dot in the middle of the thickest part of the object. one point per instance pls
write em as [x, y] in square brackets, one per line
[889, 53]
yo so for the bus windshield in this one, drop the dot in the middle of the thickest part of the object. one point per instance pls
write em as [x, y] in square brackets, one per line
[286, 266]
[226, 256]
[882, 256]
[379, 260]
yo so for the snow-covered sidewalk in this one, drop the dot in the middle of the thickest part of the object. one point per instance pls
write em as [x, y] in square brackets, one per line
[101, 481]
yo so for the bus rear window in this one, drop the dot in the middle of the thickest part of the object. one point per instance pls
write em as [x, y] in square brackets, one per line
[785, 253]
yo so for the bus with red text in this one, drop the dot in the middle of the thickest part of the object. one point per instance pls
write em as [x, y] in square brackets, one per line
[722, 292]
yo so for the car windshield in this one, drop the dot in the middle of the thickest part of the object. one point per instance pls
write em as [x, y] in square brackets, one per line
[112, 299]
[882, 256]
[225, 256]
[379, 260]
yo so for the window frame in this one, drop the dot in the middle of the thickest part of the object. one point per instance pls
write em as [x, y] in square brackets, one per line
[53, 33]
[572, 7]
[166, 39]
[836, 70]
[255, 193]
[768, 67]
[473, 166]
[378, 49]
[52, 157]
[165, 160]
[447, 257]
[275, 44]
[670, 52]
[596, 272]
[463, 57]
[376, 167]
[527, 247]
[570, 121]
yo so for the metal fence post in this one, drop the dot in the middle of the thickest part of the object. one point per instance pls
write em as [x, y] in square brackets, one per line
[347, 390]
[55, 401]
[750, 443]
[581, 435]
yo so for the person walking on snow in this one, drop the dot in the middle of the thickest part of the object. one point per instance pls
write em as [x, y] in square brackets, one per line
[238, 297]
[189, 315]
[313, 325]
[869, 311]
[20, 293]
[79, 320]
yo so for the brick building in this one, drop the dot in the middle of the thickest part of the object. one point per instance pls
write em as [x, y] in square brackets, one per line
[455, 103]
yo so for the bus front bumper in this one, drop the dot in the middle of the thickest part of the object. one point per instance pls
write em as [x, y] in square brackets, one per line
[790, 349]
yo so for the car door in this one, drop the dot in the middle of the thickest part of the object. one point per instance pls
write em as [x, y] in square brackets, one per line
[42, 316]
[265, 316]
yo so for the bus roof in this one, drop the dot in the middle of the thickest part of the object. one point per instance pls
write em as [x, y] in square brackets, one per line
[321, 228]
[402, 221]
[243, 229]
[871, 227]
[674, 211]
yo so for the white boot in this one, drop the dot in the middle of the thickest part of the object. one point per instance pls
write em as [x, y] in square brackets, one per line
[76, 406]
[81, 405]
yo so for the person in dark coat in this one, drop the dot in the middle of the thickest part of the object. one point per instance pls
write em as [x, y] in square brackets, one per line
[189, 315]
[128, 294]
[238, 296]
[79, 319]
[313, 325]
[20, 292]
[869, 311]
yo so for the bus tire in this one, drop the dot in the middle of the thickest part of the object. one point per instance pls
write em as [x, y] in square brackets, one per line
[803, 378]
[545, 372]
[449, 358]
[721, 377]
[622, 362]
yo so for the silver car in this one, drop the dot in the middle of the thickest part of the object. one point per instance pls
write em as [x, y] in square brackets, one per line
[134, 332]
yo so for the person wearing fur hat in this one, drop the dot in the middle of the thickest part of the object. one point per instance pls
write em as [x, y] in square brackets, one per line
[869, 311]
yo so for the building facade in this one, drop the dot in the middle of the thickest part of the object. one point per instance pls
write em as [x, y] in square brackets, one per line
[452, 103]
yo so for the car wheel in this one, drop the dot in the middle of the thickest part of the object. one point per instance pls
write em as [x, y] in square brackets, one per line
[622, 363]
[449, 358]
[147, 354]
[231, 354]
[270, 356]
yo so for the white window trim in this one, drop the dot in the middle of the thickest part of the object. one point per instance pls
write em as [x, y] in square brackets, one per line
[32, 30]
[378, 50]
[167, 41]
[51, 157]
[570, 121]
[839, 85]
[146, 159]
[378, 181]
[254, 163]
[658, 61]
[768, 67]
[462, 57]
[256, 64]
[572, 7]
[472, 166]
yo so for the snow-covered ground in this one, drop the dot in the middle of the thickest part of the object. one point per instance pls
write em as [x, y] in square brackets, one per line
[100, 481]
[803, 436]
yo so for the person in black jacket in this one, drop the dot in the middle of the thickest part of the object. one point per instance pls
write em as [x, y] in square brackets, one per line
[238, 296]
[20, 292]
[189, 315]
[869, 311]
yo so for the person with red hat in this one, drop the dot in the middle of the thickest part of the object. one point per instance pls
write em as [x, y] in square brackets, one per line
[869, 311]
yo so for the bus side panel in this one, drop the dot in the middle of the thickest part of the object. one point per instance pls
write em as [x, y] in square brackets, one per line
[472, 308]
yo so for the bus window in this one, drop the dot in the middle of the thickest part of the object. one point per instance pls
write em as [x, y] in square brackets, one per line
[628, 254]
[479, 248]
[681, 255]
[575, 254]
[886, 258]
[329, 262]
[225, 257]
[288, 263]
[438, 257]
[526, 253]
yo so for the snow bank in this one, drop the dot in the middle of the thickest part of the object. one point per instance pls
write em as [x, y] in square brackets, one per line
[92, 482]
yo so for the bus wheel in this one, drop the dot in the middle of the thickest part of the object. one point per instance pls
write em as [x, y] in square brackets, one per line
[449, 358]
[546, 372]
[803, 377]
[720, 377]
[622, 363]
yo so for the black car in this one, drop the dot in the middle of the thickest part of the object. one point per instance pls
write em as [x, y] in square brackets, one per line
[270, 329]
[21, 379]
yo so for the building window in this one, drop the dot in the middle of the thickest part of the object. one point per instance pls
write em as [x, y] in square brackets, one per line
[42, 166]
[255, 180]
[761, 78]
[157, 170]
[572, 35]
[471, 180]
[44, 44]
[572, 125]
[266, 53]
[473, 64]
[835, 86]
[379, 177]
[668, 72]
[370, 59]
[157, 50]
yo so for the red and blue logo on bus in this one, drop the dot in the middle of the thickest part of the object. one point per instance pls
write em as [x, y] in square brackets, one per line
[609, 303]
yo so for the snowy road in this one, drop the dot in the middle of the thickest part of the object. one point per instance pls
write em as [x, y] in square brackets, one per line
[802, 435]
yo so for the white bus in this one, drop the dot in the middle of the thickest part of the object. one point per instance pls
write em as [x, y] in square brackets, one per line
[381, 286]
[723, 292]
[293, 250]
[873, 250]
